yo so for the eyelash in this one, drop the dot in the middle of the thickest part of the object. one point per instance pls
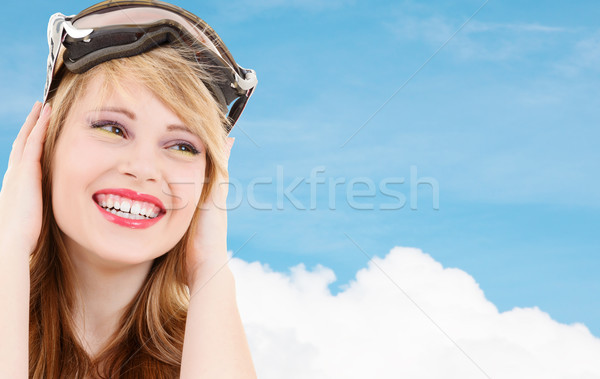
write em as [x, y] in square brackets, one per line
[115, 125]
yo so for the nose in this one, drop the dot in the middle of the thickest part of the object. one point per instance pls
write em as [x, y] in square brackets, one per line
[140, 162]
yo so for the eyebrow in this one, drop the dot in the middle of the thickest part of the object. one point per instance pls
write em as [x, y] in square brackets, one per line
[124, 111]
[131, 115]
[182, 128]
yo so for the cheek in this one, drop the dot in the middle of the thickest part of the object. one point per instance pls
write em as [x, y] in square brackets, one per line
[76, 161]
[64, 185]
[74, 167]
[185, 188]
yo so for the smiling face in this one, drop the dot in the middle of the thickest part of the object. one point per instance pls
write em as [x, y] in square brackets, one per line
[132, 150]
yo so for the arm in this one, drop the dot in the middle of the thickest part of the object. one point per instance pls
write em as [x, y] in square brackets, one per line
[14, 318]
[215, 342]
[20, 226]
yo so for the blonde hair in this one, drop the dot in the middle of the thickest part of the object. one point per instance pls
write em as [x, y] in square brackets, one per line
[148, 341]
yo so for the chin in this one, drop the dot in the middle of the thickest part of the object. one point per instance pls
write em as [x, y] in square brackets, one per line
[122, 258]
[114, 254]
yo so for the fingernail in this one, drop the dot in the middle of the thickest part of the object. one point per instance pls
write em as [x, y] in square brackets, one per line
[46, 110]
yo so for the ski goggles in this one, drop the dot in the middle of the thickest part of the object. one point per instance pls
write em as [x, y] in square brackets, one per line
[117, 29]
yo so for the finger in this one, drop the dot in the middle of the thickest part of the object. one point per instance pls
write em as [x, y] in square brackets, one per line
[229, 144]
[219, 194]
[35, 141]
[19, 143]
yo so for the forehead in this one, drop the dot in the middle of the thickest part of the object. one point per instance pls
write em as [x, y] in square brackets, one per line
[106, 87]
[127, 94]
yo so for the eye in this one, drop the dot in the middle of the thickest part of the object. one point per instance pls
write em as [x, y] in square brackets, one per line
[111, 127]
[185, 148]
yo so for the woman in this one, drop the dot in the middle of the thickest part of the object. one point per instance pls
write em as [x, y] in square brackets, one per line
[114, 224]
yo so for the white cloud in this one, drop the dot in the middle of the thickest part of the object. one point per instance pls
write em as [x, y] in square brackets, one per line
[584, 58]
[476, 40]
[477, 26]
[298, 329]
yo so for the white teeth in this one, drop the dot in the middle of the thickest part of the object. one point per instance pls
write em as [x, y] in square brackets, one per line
[125, 205]
[102, 200]
[135, 208]
[127, 208]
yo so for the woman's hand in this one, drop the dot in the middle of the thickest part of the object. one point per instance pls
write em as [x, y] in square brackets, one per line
[21, 194]
[207, 252]
[215, 342]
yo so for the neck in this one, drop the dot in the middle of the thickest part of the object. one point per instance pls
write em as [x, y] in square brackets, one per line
[103, 290]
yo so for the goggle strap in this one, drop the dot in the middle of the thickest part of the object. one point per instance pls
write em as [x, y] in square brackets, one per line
[87, 55]
[237, 108]
[55, 37]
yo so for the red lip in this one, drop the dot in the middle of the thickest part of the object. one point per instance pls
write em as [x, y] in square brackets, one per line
[133, 224]
[124, 192]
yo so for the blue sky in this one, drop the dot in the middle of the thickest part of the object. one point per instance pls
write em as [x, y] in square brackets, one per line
[504, 118]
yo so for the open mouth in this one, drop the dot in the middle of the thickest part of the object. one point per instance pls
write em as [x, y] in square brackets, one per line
[127, 208]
